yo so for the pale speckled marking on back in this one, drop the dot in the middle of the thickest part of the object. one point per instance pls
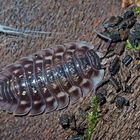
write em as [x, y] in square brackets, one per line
[51, 100]
[74, 91]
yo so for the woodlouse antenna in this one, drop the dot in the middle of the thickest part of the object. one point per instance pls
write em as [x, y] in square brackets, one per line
[102, 36]
[15, 31]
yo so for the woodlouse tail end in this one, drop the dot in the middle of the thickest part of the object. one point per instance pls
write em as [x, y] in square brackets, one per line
[98, 78]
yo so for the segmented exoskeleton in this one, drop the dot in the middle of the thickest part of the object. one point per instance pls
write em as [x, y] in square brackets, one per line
[50, 79]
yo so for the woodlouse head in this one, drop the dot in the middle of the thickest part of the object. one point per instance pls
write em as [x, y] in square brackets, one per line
[94, 59]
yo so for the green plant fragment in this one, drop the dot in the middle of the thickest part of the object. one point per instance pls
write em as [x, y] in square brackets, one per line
[92, 117]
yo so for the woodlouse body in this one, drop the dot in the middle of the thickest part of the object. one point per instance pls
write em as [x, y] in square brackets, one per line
[50, 79]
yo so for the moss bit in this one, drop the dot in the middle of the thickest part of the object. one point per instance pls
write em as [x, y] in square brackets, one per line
[130, 47]
[137, 10]
[92, 117]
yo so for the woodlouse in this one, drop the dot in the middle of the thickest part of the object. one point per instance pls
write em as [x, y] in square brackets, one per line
[48, 80]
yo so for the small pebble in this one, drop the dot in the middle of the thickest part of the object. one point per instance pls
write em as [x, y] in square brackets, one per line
[72, 121]
[117, 28]
[126, 103]
[115, 37]
[133, 41]
[135, 31]
[80, 131]
[82, 113]
[128, 14]
[128, 89]
[124, 34]
[138, 66]
[134, 106]
[134, 36]
[119, 48]
[138, 58]
[101, 98]
[76, 138]
[113, 21]
[127, 60]
[122, 26]
[64, 121]
[121, 101]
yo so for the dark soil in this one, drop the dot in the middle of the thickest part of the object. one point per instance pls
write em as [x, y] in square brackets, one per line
[77, 19]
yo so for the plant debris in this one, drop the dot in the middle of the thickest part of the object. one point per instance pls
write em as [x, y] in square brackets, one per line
[115, 83]
[93, 117]
[114, 66]
[133, 41]
[127, 60]
[117, 28]
[67, 121]
[77, 137]
[121, 101]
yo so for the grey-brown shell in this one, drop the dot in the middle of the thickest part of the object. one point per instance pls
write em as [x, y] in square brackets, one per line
[50, 79]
